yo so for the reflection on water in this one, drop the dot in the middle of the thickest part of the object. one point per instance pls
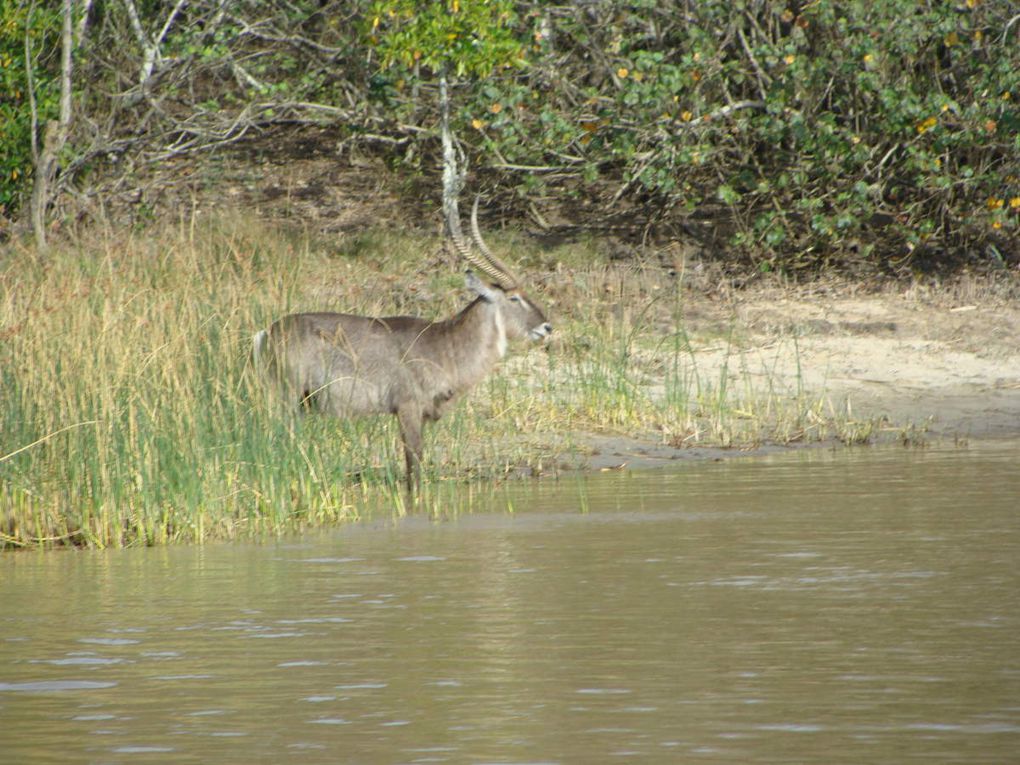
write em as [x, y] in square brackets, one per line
[814, 607]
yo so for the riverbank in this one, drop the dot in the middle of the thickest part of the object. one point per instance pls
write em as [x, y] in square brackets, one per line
[924, 364]
[130, 414]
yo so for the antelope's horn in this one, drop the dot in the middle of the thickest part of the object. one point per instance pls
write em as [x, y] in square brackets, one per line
[460, 244]
[494, 267]
[467, 252]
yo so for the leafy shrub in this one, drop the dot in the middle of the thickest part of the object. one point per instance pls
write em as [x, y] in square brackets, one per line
[821, 132]
[799, 135]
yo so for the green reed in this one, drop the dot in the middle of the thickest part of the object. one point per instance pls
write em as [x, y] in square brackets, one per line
[130, 413]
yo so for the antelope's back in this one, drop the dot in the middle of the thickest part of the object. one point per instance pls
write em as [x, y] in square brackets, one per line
[340, 363]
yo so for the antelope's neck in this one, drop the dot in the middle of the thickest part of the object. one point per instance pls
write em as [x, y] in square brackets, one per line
[478, 334]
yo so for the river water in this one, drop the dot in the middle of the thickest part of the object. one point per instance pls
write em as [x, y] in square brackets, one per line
[858, 606]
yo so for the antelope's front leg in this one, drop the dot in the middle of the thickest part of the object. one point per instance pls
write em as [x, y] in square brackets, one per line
[410, 419]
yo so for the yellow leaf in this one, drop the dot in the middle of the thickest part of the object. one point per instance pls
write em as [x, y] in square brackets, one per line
[686, 116]
[622, 72]
[951, 39]
[789, 58]
[477, 124]
[496, 108]
[1014, 203]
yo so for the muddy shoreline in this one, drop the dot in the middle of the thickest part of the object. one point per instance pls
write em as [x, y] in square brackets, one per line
[927, 365]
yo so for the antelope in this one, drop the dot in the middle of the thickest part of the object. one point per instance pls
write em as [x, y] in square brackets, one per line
[349, 366]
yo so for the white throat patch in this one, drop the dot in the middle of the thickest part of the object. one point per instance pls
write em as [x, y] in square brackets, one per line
[501, 342]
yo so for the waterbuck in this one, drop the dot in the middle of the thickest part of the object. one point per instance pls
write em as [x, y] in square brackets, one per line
[347, 365]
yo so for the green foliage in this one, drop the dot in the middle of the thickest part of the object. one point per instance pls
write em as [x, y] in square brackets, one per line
[466, 37]
[845, 131]
[879, 133]
[15, 112]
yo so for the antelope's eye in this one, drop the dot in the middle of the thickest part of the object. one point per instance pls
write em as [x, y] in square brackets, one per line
[515, 298]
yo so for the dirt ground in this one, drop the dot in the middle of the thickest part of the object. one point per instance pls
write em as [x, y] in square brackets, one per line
[941, 364]
[947, 362]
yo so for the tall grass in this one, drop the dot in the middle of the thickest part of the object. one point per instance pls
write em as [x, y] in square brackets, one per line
[129, 413]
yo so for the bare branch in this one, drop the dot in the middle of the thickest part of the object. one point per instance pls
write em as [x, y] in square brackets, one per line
[66, 47]
[136, 25]
[1009, 24]
[169, 23]
[763, 79]
[453, 177]
[30, 81]
[150, 48]
[273, 35]
[83, 22]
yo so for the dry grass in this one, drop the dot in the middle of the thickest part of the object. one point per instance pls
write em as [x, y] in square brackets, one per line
[129, 414]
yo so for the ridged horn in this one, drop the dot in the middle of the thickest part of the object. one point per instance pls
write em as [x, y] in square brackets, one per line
[494, 267]
[459, 243]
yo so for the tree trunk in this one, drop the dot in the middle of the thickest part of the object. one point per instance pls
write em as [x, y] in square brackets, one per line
[54, 136]
[453, 177]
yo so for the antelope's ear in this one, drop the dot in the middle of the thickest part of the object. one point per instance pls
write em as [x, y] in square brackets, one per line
[480, 288]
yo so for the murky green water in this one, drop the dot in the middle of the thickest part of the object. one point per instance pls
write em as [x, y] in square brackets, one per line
[857, 607]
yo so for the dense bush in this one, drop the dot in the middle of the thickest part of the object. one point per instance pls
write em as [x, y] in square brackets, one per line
[884, 133]
[871, 129]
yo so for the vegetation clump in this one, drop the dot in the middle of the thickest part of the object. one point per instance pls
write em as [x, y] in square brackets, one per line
[130, 413]
[782, 136]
